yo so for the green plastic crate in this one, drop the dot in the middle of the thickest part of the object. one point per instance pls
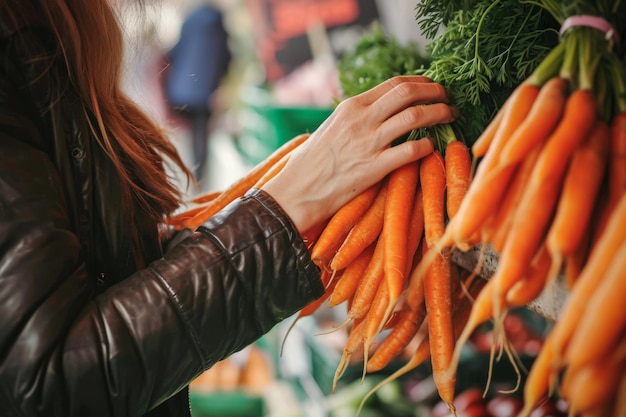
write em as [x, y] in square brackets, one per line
[266, 126]
[226, 404]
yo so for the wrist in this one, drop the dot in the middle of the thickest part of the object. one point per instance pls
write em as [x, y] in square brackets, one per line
[299, 210]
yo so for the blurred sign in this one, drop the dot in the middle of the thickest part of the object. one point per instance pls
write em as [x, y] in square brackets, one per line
[287, 31]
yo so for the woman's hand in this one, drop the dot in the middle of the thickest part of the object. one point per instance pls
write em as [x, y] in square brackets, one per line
[351, 150]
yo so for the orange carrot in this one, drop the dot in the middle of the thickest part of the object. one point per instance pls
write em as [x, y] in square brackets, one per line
[595, 384]
[422, 351]
[527, 231]
[239, 187]
[401, 189]
[415, 238]
[575, 262]
[340, 224]
[414, 293]
[533, 282]
[600, 330]
[381, 309]
[550, 358]
[353, 343]
[416, 230]
[488, 187]
[374, 320]
[179, 220]
[619, 405]
[483, 142]
[433, 197]
[365, 231]
[616, 176]
[539, 200]
[352, 274]
[540, 382]
[368, 285]
[576, 203]
[578, 119]
[409, 321]
[543, 118]
[433, 183]
[458, 168]
[206, 198]
[438, 300]
[497, 230]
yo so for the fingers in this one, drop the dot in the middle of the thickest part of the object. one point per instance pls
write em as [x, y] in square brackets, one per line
[350, 150]
[400, 104]
[397, 156]
[415, 117]
[408, 94]
[375, 93]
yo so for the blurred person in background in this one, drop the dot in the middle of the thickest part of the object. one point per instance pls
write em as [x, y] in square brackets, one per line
[103, 314]
[195, 68]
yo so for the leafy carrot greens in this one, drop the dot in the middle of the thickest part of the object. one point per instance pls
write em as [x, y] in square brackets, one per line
[377, 56]
[481, 50]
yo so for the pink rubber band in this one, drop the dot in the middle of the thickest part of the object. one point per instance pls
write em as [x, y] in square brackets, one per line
[591, 21]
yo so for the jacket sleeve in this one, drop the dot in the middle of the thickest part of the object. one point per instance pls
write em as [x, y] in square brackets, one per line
[211, 295]
[63, 352]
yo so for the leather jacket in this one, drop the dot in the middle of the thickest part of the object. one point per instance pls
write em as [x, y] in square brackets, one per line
[82, 331]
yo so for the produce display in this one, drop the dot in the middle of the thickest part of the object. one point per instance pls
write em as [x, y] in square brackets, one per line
[548, 196]
[535, 168]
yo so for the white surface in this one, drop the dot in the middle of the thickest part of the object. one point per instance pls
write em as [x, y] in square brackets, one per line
[548, 304]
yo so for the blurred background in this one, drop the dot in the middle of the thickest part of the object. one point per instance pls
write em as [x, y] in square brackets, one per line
[233, 79]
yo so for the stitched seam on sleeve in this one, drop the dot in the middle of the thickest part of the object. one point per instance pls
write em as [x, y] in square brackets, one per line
[254, 194]
[183, 315]
[228, 256]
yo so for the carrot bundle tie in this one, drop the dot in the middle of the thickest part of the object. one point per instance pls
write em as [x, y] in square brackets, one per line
[595, 22]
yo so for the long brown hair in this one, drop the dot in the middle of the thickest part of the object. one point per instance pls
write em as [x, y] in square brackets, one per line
[91, 42]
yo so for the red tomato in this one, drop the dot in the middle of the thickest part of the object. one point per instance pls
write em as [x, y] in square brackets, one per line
[468, 398]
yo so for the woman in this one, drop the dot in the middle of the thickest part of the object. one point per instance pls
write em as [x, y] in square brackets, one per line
[96, 317]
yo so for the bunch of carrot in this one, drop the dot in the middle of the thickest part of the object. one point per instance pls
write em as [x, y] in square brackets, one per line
[584, 355]
[545, 196]
[368, 250]
[548, 196]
